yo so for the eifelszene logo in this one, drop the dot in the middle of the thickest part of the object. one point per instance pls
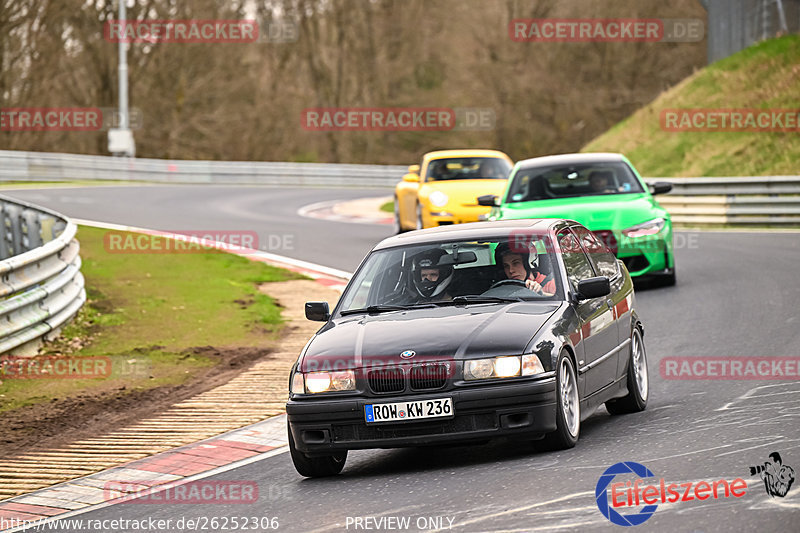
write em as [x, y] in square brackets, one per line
[634, 494]
[777, 477]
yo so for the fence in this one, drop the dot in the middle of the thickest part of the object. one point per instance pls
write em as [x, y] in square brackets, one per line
[735, 201]
[41, 286]
[734, 25]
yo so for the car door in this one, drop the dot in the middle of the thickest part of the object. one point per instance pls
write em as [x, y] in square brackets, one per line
[598, 327]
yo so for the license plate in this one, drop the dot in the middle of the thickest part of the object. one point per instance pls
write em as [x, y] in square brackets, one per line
[404, 411]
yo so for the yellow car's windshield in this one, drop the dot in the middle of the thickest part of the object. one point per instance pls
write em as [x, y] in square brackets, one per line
[467, 168]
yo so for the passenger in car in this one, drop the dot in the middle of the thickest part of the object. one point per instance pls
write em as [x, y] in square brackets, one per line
[516, 264]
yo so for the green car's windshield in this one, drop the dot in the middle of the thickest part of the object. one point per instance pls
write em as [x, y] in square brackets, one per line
[459, 168]
[513, 268]
[569, 181]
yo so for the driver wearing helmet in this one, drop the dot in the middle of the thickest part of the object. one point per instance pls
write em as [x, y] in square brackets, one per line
[517, 265]
[430, 279]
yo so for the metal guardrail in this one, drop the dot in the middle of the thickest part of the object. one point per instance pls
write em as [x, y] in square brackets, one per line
[737, 201]
[42, 166]
[41, 286]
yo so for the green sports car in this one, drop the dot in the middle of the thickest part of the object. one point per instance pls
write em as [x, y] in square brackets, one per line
[604, 193]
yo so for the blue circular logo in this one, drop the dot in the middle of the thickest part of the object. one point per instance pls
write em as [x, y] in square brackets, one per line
[601, 495]
[408, 354]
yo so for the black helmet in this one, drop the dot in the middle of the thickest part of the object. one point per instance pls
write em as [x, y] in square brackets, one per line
[430, 259]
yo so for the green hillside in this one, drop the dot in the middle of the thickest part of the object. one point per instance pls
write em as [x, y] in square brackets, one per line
[764, 76]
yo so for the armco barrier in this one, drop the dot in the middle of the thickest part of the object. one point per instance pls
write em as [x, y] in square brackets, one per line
[43, 166]
[736, 201]
[41, 286]
[733, 201]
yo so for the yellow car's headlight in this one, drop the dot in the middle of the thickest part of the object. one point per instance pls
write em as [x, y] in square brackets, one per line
[438, 198]
[316, 382]
[502, 367]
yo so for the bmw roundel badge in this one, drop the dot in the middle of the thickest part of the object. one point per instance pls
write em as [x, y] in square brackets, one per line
[408, 354]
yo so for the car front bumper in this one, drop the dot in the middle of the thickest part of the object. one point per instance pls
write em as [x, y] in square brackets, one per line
[647, 255]
[436, 216]
[523, 408]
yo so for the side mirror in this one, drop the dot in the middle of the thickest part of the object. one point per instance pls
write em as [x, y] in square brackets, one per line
[412, 177]
[660, 187]
[593, 288]
[317, 311]
[489, 200]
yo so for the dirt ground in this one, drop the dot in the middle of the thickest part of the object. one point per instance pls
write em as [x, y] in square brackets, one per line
[66, 420]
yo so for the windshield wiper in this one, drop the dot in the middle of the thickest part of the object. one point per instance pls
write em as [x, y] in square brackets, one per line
[476, 299]
[384, 308]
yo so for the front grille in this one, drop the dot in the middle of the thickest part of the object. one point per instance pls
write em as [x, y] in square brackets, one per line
[428, 377]
[386, 380]
[607, 237]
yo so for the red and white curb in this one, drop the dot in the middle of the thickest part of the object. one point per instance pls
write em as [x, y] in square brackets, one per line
[147, 476]
[332, 210]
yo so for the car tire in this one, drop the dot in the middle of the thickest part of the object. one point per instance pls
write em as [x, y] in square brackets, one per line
[327, 465]
[398, 225]
[638, 380]
[568, 407]
[420, 225]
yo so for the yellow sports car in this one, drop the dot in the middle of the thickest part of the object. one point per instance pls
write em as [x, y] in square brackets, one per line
[444, 188]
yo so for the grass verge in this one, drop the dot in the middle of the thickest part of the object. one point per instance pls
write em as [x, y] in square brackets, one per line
[154, 316]
[763, 76]
[388, 207]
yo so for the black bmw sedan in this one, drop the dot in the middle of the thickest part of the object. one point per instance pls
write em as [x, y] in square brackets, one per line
[466, 333]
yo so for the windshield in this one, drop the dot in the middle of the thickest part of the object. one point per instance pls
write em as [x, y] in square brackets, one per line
[509, 269]
[569, 181]
[467, 168]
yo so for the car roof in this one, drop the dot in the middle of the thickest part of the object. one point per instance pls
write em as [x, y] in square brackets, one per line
[568, 159]
[439, 154]
[471, 231]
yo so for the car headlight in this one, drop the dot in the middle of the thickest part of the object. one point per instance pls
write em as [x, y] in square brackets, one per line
[651, 227]
[503, 367]
[316, 382]
[438, 198]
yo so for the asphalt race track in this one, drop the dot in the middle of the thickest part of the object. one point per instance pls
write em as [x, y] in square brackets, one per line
[737, 295]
